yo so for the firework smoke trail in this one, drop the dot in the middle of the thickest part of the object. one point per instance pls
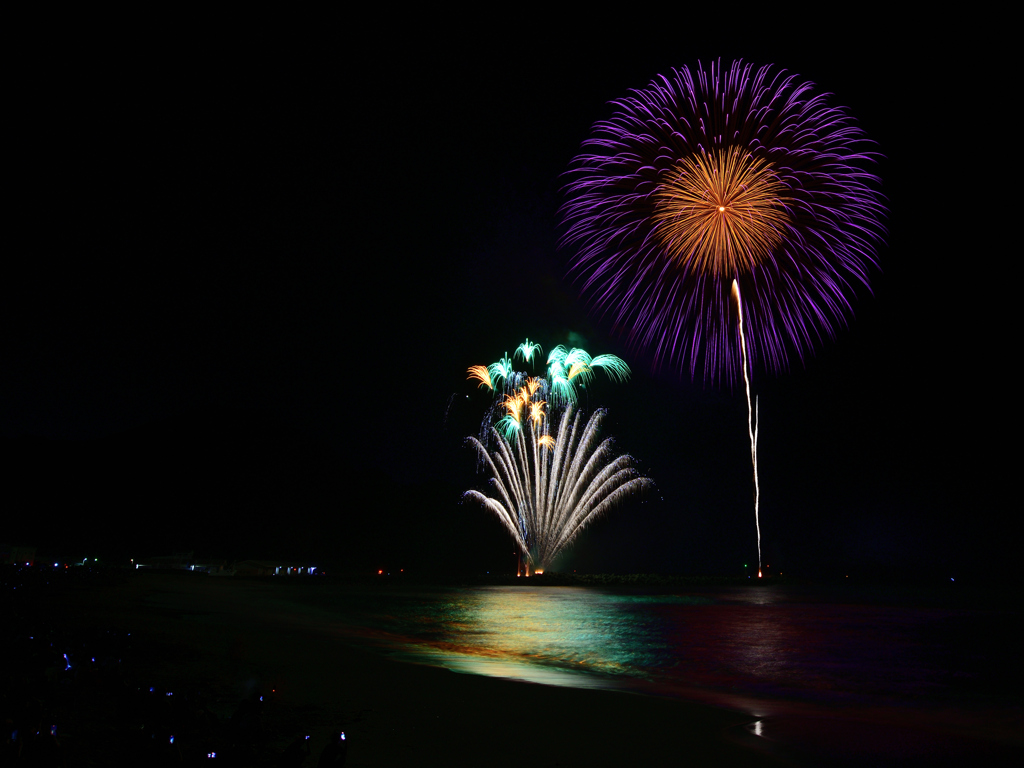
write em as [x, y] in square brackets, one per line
[546, 495]
[751, 426]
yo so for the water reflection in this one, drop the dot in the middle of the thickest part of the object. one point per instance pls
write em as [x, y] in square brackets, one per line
[763, 644]
[548, 634]
[814, 667]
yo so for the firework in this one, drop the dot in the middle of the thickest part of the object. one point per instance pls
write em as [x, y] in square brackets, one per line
[735, 183]
[572, 368]
[548, 488]
[706, 177]
[751, 426]
[526, 350]
[568, 371]
[483, 375]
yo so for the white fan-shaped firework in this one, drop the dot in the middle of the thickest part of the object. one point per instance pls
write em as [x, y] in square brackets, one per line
[549, 488]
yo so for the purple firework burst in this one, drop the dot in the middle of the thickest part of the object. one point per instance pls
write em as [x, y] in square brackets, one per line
[710, 176]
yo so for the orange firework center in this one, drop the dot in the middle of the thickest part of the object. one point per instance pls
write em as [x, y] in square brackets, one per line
[721, 212]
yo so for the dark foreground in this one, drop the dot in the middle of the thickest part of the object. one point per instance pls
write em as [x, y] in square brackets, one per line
[152, 656]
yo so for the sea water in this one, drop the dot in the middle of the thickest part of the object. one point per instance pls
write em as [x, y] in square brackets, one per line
[816, 644]
[917, 674]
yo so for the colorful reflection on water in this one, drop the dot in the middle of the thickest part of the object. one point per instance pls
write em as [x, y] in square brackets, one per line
[827, 672]
[763, 643]
[547, 635]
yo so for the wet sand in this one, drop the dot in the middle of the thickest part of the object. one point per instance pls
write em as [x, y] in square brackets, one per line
[230, 636]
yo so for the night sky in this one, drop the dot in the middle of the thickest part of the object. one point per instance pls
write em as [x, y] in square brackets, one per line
[248, 272]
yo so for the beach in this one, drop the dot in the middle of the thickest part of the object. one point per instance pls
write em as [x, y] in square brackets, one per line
[321, 674]
[236, 636]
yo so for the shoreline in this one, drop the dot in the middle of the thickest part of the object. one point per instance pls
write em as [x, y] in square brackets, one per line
[236, 636]
[232, 637]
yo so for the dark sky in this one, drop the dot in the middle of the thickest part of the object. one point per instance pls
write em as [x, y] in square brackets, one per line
[250, 270]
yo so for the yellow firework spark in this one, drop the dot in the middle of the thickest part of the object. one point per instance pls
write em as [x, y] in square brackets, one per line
[513, 404]
[537, 412]
[480, 372]
[721, 212]
[547, 441]
[524, 395]
[577, 369]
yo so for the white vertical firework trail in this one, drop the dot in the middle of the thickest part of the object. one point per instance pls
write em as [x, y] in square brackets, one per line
[751, 426]
[545, 493]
